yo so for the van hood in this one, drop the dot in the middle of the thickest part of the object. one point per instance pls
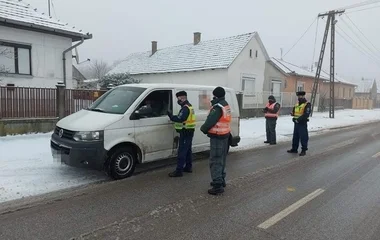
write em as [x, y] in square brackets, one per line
[85, 120]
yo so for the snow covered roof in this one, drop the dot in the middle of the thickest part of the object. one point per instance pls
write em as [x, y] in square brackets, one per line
[365, 86]
[91, 80]
[18, 14]
[290, 69]
[211, 54]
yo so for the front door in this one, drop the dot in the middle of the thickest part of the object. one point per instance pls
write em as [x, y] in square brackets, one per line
[154, 132]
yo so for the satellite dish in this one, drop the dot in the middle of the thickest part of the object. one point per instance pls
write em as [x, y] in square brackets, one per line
[76, 55]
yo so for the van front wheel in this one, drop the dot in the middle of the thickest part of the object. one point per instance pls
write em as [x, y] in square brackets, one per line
[122, 163]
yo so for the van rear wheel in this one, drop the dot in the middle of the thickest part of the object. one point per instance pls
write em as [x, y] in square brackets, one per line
[122, 163]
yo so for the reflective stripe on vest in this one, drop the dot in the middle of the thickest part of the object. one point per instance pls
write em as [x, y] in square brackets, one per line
[190, 121]
[299, 109]
[223, 126]
[271, 107]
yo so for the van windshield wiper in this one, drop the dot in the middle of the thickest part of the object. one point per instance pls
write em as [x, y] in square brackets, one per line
[96, 109]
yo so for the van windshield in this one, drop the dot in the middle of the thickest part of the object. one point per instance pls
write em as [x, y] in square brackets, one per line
[117, 100]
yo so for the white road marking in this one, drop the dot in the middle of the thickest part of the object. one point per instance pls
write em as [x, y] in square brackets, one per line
[376, 155]
[279, 216]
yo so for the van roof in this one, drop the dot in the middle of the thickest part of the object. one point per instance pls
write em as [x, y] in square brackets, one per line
[172, 85]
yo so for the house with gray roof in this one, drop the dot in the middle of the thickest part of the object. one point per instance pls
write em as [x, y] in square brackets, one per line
[237, 62]
[35, 49]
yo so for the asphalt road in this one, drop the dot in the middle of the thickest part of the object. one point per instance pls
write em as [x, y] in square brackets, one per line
[332, 193]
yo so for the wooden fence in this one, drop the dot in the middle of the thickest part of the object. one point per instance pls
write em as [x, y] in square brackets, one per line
[25, 102]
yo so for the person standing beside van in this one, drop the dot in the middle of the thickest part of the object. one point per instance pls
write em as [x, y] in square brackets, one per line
[271, 112]
[217, 127]
[184, 124]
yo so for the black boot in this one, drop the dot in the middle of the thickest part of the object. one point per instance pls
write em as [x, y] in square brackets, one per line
[175, 174]
[266, 142]
[303, 153]
[292, 151]
[224, 184]
[188, 170]
[216, 190]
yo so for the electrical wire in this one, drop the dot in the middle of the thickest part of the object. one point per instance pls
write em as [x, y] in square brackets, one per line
[361, 4]
[356, 47]
[362, 33]
[375, 61]
[52, 3]
[365, 45]
[364, 9]
[301, 36]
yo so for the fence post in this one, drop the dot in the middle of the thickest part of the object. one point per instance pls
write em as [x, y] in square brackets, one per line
[60, 100]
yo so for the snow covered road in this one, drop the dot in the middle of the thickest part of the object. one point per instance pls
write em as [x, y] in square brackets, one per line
[27, 168]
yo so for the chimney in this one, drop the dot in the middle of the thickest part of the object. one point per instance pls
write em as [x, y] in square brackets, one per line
[154, 47]
[197, 38]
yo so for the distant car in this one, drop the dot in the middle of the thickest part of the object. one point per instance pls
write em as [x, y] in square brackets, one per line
[129, 125]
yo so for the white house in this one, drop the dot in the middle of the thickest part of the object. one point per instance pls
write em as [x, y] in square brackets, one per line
[237, 62]
[35, 49]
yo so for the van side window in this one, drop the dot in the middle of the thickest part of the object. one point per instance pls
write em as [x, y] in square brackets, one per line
[156, 104]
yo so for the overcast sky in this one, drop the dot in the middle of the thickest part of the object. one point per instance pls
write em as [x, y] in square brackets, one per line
[121, 27]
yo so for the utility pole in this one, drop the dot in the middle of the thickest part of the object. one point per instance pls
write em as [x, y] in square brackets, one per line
[330, 22]
[49, 4]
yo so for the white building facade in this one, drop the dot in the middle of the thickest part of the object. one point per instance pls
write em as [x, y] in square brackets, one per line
[32, 46]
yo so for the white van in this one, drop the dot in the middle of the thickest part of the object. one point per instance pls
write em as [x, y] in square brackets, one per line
[118, 131]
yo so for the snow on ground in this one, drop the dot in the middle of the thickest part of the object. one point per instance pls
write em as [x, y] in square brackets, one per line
[252, 131]
[27, 168]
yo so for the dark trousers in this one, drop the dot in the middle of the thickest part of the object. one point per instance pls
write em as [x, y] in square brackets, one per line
[300, 133]
[271, 129]
[218, 155]
[184, 158]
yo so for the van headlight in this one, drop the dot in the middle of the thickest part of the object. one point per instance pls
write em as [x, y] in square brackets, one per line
[88, 136]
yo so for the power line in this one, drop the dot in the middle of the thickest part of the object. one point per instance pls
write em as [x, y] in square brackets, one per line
[365, 45]
[362, 33]
[362, 4]
[364, 9]
[52, 3]
[375, 61]
[301, 36]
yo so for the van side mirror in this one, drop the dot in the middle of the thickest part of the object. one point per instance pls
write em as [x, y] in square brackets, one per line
[144, 111]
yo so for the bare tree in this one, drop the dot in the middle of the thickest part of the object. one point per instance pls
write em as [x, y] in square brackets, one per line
[99, 69]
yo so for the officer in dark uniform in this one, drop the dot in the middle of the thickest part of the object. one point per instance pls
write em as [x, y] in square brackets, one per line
[300, 113]
[184, 123]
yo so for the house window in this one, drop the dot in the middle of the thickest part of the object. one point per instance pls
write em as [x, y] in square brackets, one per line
[250, 53]
[15, 58]
[248, 85]
[350, 92]
[257, 54]
[300, 86]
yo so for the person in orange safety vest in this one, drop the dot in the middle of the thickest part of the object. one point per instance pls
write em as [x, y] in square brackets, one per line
[217, 127]
[271, 111]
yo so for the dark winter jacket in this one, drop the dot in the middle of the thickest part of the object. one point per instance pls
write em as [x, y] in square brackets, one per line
[214, 116]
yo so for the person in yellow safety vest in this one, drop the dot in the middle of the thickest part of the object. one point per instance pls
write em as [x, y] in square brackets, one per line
[184, 123]
[300, 113]
[271, 111]
[218, 127]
